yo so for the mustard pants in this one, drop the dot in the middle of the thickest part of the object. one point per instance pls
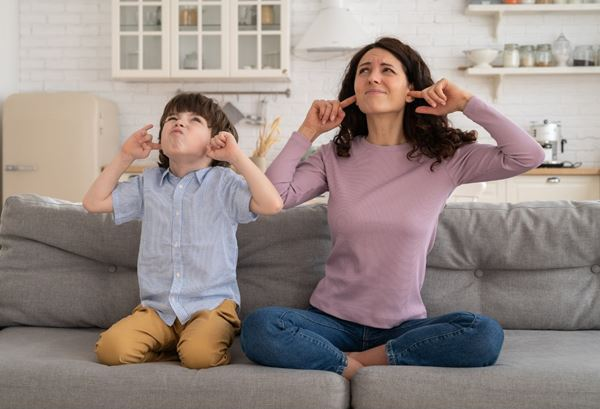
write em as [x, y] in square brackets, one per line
[203, 341]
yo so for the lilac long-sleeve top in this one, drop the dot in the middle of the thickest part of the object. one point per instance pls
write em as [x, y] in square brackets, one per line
[383, 211]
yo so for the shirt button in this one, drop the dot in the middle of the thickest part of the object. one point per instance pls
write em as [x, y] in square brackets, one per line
[177, 213]
[478, 273]
[177, 274]
[176, 244]
[180, 186]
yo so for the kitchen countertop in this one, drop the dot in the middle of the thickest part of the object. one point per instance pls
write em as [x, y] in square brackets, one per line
[534, 172]
[563, 172]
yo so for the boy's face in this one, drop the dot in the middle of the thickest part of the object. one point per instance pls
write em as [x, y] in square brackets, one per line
[185, 135]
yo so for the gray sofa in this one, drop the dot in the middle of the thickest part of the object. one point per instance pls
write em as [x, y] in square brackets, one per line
[535, 267]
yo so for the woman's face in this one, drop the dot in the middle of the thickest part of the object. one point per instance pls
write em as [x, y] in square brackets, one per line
[380, 84]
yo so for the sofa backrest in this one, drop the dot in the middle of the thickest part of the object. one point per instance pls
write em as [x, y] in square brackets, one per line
[530, 265]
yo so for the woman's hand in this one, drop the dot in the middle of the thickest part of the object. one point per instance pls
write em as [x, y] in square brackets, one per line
[223, 147]
[443, 98]
[139, 144]
[323, 116]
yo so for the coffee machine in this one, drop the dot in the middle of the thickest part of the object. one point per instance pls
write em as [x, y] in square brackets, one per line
[548, 135]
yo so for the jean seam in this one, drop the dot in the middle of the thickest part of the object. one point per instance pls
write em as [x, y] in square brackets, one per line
[314, 322]
[340, 368]
[471, 325]
[390, 353]
[426, 340]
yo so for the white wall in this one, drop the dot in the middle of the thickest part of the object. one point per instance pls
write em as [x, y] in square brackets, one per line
[65, 45]
[9, 62]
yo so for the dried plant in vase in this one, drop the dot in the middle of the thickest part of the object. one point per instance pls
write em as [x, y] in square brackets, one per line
[265, 140]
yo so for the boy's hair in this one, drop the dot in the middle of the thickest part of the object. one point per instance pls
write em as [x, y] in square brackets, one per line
[198, 104]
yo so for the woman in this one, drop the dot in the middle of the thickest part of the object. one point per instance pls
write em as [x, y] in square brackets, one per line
[389, 172]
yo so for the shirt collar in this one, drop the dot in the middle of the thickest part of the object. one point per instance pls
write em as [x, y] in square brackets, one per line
[200, 173]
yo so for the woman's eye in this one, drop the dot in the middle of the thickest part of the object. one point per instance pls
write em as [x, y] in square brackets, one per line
[171, 118]
[362, 70]
[196, 119]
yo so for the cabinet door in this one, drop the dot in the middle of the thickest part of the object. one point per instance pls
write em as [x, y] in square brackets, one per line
[260, 39]
[140, 38]
[200, 38]
[525, 188]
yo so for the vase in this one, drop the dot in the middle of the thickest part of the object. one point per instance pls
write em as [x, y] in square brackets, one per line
[260, 162]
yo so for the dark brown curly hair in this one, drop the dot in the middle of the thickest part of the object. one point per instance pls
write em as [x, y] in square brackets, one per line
[201, 105]
[429, 135]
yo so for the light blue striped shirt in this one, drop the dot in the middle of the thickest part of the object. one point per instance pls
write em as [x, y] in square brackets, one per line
[188, 249]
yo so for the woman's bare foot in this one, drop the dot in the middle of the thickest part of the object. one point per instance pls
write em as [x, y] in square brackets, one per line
[373, 356]
[352, 368]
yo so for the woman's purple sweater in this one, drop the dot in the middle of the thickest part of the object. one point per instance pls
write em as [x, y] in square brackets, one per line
[383, 211]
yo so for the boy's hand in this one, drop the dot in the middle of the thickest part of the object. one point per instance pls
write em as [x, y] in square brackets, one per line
[139, 144]
[223, 147]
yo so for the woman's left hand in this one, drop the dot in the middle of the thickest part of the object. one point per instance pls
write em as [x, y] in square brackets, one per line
[443, 98]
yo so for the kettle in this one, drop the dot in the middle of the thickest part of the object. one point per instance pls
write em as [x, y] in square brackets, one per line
[548, 135]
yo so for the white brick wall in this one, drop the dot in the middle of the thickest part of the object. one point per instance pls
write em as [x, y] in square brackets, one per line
[65, 45]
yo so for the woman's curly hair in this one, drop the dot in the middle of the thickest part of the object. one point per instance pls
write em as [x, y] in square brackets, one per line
[429, 135]
[205, 107]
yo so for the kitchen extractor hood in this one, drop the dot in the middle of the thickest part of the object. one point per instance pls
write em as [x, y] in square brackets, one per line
[334, 29]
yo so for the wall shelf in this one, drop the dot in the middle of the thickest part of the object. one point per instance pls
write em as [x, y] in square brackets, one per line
[500, 72]
[499, 10]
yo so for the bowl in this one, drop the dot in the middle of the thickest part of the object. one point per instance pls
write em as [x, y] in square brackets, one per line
[481, 57]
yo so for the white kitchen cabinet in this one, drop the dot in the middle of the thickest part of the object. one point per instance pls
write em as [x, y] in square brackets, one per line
[543, 187]
[203, 39]
[526, 188]
[140, 46]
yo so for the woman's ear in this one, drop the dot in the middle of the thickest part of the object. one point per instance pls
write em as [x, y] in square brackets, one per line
[409, 98]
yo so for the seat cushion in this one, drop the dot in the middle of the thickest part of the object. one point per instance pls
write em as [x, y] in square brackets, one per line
[57, 368]
[536, 370]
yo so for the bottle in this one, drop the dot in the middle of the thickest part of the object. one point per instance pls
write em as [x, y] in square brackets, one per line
[511, 55]
[543, 55]
[561, 49]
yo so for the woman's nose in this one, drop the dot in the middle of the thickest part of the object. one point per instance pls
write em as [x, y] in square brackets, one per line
[374, 78]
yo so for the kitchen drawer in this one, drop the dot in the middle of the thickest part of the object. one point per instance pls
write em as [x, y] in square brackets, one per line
[553, 187]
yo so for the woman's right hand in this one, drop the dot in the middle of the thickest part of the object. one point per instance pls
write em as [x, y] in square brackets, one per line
[139, 144]
[323, 116]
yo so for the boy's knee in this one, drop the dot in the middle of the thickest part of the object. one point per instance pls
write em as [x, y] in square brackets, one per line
[112, 350]
[202, 359]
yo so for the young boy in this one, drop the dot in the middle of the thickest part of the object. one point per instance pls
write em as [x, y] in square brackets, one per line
[190, 207]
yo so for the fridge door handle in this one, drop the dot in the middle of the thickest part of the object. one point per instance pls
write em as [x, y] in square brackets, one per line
[20, 168]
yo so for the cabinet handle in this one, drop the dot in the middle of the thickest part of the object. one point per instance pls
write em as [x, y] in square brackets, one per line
[20, 168]
[553, 179]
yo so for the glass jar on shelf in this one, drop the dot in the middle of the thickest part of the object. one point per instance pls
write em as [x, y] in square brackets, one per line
[583, 56]
[543, 55]
[526, 56]
[510, 56]
[561, 49]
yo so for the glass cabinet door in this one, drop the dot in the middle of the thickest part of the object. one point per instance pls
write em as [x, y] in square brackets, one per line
[200, 45]
[261, 39]
[141, 46]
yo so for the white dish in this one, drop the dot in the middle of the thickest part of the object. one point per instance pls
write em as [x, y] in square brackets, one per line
[481, 57]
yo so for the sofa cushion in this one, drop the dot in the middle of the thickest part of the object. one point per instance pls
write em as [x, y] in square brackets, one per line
[531, 265]
[536, 370]
[63, 267]
[57, 366]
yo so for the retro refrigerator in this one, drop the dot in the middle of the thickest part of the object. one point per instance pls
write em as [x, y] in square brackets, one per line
[55, 143]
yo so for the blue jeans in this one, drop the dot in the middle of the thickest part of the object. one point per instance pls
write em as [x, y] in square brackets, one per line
[312, 339]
